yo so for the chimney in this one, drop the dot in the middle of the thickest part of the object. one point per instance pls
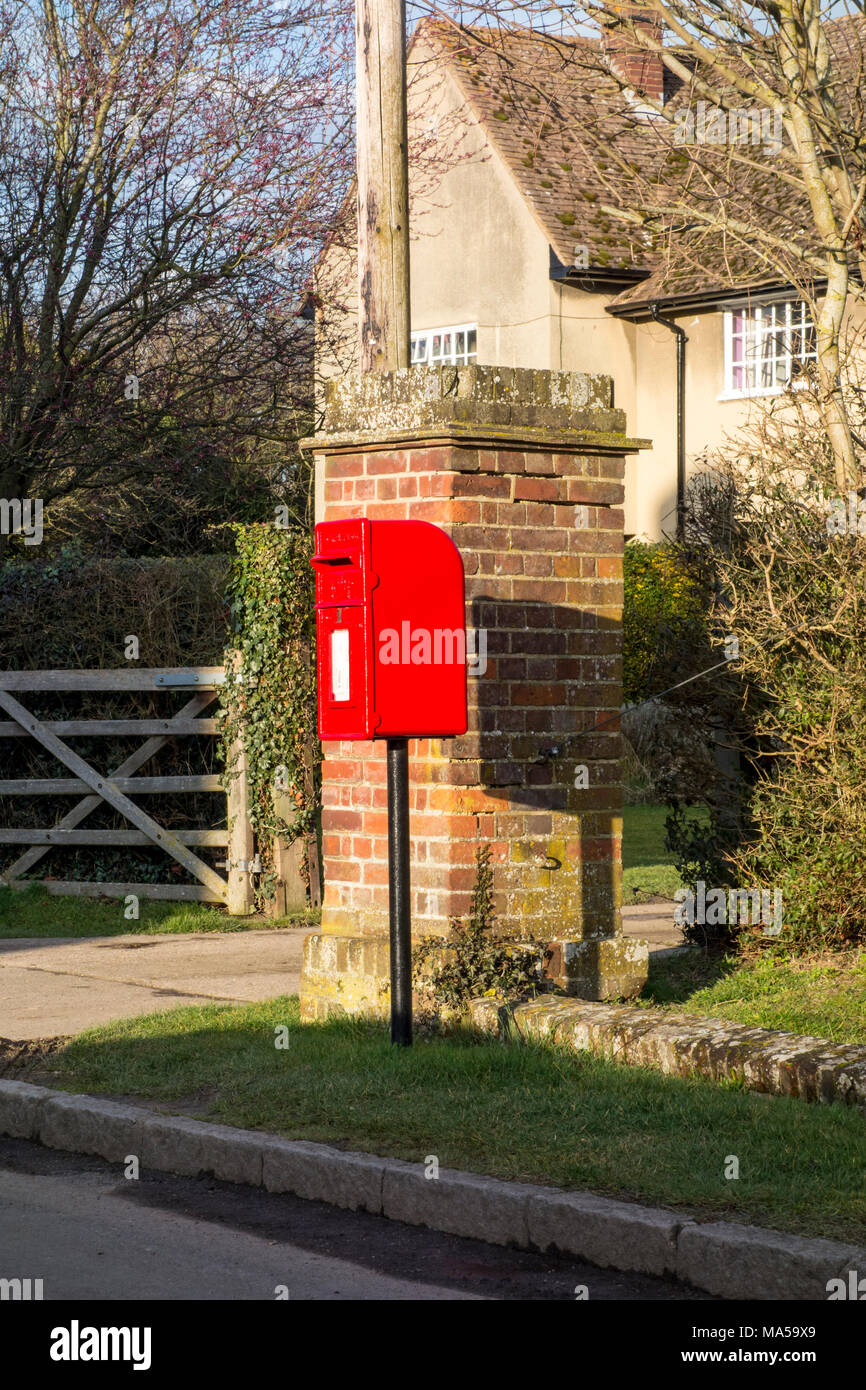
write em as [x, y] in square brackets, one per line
[642, 70]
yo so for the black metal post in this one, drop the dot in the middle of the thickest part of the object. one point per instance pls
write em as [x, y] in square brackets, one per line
[399, 909]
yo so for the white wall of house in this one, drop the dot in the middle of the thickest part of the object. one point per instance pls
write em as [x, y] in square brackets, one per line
[584, 338]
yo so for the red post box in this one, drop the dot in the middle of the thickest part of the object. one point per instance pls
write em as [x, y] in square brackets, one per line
[391, 633]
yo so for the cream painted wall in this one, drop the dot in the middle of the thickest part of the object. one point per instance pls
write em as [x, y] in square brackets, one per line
[480, 256]
[710, 421]
[652, 502]
[477, 253]
[584, 338]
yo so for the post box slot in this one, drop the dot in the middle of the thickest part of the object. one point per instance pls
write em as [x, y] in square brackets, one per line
[349, 559]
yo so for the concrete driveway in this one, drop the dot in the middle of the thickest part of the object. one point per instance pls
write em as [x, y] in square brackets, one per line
[56, 986]
[654, 923]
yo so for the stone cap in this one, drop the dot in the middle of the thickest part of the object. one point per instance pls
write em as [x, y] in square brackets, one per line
[475, 404]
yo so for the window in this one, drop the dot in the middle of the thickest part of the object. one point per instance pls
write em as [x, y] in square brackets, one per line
[457, 346]
[766, 346]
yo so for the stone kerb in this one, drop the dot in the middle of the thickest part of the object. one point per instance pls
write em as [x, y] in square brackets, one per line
[523, 469]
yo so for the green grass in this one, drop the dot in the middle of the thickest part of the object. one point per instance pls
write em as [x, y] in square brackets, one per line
[824, 996]
[532, 1112]
[648, 869]
[32, 912]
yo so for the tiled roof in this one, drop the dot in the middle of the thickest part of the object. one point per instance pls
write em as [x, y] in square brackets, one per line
[535, 99]
[577, 147]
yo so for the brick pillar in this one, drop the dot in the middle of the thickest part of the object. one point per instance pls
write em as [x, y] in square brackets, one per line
[524, 471]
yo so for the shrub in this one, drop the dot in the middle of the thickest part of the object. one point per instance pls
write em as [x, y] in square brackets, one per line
[72, 609]
[793, 591]
[472, 961]
[664, 609]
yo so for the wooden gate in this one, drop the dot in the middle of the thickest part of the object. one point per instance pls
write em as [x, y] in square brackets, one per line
[119, 786]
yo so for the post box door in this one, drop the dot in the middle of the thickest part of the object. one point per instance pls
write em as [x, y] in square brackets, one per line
[391, 657]
[345, 687]
[419, 658]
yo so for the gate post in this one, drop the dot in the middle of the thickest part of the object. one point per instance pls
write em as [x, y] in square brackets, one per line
[523, 470]
[240, 900]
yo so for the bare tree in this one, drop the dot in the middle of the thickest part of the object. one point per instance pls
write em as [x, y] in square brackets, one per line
[168, 169]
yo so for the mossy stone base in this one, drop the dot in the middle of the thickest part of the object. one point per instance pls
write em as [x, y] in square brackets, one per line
[613, 967]
[351, 974]
[345, 975]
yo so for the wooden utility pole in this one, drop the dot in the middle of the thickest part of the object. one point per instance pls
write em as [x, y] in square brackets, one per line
[384, 326]
[383, 185]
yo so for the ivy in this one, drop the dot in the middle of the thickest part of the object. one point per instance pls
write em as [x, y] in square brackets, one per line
[271, 596]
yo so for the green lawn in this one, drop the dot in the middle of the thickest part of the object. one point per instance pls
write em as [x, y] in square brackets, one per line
[648, 870]
[821, 995]
[532, 1112]
[32, 912]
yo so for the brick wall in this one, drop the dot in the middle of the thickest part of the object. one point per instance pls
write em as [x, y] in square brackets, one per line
[541, 538]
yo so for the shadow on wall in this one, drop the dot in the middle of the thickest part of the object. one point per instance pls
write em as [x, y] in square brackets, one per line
[552, 677]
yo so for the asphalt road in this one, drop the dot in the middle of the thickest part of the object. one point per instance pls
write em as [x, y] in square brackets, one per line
[91, 1234]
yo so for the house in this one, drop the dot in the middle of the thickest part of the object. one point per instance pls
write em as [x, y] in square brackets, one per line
[523, 151]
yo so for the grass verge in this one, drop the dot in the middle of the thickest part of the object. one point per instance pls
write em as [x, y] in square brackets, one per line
[31, 912]
[532, 1112]
[822, 995]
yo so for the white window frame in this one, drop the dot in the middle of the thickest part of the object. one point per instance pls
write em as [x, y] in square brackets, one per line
[762, 326]
[426, 335]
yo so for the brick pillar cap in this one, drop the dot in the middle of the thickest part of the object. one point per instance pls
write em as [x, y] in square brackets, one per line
[505, 407]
